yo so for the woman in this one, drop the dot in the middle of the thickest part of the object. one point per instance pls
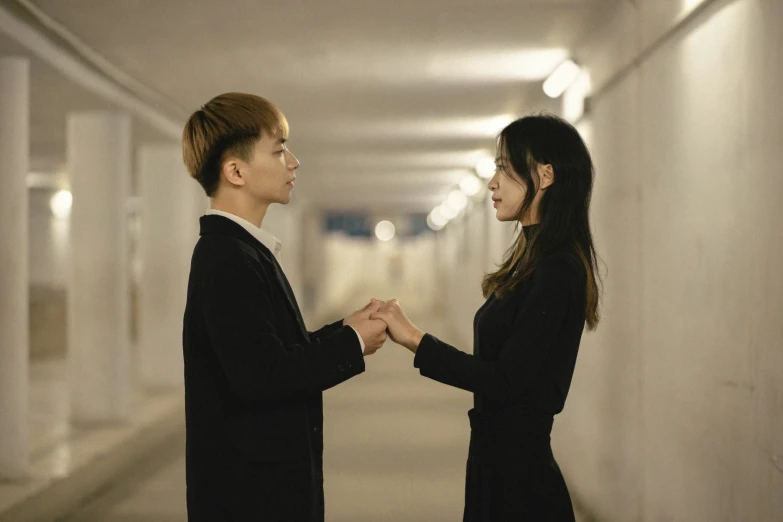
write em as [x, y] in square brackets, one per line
[527, 333]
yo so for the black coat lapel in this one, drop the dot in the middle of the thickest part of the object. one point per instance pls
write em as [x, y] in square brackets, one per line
[222, 225]
[289, 294]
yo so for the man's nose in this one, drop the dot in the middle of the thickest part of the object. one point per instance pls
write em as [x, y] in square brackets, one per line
[293, 163]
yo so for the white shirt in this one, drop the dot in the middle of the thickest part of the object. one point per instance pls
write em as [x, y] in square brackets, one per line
[265, 238]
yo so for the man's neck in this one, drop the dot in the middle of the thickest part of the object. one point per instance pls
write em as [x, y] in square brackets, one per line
[252, 213]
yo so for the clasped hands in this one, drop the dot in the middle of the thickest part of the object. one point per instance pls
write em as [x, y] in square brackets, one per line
[380, 319]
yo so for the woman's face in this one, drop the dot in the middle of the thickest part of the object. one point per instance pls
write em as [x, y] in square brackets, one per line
[508, 190]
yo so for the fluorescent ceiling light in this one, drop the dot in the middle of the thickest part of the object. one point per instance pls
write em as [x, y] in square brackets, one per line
[385, 230]
[561, 79]
[485, 167]
[470, 185]
[426, 129]
[517, 65]
[437, 218]
[458, 199]
[574, 98]
[689, 5]
[448, 211]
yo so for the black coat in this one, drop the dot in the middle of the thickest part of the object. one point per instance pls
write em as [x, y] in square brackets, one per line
[525, 348]
[253, 382]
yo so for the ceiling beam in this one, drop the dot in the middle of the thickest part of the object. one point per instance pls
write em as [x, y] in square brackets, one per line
[35, 41]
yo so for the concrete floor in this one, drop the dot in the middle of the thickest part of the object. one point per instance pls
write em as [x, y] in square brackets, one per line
[396, 445]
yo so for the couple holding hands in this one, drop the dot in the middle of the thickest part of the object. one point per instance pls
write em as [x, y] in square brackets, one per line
[254, 374]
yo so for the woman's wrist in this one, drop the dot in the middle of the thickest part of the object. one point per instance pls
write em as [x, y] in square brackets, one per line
[416, 337]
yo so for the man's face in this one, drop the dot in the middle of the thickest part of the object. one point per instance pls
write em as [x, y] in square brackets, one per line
[269, 174]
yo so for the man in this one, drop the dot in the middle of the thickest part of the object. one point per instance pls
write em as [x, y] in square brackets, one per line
[253, 373]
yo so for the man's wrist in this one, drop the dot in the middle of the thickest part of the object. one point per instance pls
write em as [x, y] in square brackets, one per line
[361, 341]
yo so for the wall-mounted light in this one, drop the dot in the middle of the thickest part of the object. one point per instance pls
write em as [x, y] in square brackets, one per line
[385, 230]
[436, 220]
[470, 185]
[561, 78]
[61, 204]
[434, 225]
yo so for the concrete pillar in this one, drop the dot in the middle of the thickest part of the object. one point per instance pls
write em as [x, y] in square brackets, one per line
[98, 149]
[14, 349]
[170, 204]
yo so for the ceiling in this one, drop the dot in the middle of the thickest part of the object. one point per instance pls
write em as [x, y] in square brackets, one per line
[389, 103]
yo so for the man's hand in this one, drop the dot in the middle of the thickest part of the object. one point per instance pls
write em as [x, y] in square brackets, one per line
[401, 330]
[372, 332]
[364, 313]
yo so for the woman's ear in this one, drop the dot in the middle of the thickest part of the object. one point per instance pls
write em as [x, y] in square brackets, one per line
[547, 176]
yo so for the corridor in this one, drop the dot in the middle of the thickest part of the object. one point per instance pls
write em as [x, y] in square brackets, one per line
[388, 179]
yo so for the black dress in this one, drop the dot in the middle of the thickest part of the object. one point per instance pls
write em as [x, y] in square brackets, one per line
[525, 348]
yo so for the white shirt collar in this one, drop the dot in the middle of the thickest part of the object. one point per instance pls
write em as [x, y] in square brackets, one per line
[265, 238]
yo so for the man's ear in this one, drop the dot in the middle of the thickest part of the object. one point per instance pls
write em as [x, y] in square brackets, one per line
[546, 175]
[232, 173]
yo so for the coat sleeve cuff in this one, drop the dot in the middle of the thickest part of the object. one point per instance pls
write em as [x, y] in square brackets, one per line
[425, 353]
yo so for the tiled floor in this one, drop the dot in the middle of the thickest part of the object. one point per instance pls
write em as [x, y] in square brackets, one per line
[152, 492]
[67, 461]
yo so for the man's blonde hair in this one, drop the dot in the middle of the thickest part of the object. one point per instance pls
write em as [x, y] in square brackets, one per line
[227, 125]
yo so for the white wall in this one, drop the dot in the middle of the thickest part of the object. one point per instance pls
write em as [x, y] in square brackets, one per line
[677, 403]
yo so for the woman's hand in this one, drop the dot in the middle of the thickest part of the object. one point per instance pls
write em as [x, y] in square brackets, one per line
[401, 330]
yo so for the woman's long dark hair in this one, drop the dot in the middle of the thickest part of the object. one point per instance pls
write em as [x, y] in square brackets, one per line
[564, 208]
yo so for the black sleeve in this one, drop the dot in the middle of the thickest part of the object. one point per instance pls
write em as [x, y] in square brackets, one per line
[326, 330]
[241, 328]
[530, 337]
